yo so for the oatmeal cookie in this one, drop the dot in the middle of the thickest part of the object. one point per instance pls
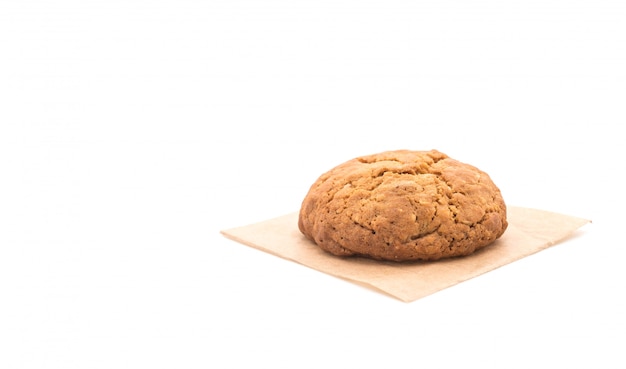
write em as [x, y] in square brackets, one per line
[403, 205]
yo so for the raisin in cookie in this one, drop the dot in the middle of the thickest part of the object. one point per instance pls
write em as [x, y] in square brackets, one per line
[403, 205]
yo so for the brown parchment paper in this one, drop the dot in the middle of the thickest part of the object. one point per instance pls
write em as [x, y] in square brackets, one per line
[529, 231]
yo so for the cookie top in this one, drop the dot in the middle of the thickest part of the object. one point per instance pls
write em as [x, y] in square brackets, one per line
[403, 205]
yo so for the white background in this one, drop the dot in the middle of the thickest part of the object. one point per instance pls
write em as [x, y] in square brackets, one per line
[132, 132]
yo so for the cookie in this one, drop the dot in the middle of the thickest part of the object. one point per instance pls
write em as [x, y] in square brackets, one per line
[403, 205]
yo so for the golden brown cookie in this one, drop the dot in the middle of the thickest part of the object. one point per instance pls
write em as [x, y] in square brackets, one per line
[403, 205]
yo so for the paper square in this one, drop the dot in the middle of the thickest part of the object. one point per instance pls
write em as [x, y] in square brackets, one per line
[529, 231]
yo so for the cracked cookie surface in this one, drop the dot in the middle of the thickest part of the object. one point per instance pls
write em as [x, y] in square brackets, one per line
[403, 205]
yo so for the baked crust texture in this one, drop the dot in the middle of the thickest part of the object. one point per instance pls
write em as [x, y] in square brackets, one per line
[402, 206]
